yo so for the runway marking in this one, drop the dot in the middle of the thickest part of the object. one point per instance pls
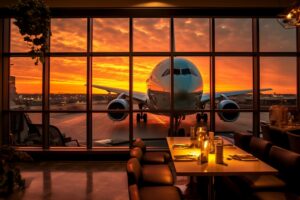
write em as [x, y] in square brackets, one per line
[161, 121]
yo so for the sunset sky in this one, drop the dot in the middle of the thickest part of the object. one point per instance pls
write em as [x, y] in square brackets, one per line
[68, 74]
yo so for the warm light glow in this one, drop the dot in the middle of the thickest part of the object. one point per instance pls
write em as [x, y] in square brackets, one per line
[68, 75]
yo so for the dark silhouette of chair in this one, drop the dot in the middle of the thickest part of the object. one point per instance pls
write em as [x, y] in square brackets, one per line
[278, 137]
[265, 128]
[294, 140]
[56, 138]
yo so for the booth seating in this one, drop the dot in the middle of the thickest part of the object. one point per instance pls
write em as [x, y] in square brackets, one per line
[294, 140]
[151, 157]
[265, 187]
[278, 137]
[150, 182]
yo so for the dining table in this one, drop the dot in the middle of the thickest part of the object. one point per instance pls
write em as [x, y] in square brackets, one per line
[185, 158]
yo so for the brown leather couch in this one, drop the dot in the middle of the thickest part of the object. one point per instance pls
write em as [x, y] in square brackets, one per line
[151, 183]
[151, 157]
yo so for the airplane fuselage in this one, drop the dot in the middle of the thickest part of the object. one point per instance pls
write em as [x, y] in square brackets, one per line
[188, 86]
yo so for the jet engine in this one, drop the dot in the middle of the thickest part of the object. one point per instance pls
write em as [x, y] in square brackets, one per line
[228, 116]
[118, 105]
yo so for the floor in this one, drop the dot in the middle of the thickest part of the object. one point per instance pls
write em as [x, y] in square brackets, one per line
[73, 180]
[81, 180]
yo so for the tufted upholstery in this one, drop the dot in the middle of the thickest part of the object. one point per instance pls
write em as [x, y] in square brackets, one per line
[242, 140]
[260, 148]
[294, 140]
[287, 163]
[150, 157]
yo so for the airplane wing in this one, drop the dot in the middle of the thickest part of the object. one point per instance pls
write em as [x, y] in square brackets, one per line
[139, 96]
[206, 97]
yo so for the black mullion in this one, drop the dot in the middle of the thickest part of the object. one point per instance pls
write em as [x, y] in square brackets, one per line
[130, 81]
[298, 68]
[172, 48]
[89, 122]
[5, 47]
[256, 78]
[212, 75]
[45, 97]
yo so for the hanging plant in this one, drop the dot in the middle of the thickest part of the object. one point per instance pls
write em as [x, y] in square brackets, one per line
[32, 17]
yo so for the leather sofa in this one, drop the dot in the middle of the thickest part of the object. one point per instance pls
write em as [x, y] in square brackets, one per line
[150, 183]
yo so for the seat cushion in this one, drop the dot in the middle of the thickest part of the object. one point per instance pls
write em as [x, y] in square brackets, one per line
[155, 157]
[157, 175]
[275, 195]
[160, 193]
[259, 182]
[133, 192]
[242, 140]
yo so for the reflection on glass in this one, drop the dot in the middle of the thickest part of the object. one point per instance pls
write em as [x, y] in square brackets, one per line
[67, 129]
[233, 35]
[191, 34]
[68, 35]
[157, 126]
[110, 35]
[25, 129]
[191, 82]
[151, 34]
[242, 123]
[273, 37]
[25, 84]
[279, 74]
[107, 132]
[17, 43]
[68, 83]
[150, 77]
[110, 79]
[234, 74]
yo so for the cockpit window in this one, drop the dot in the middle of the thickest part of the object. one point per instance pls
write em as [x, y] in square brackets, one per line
[184, 71]
[167, 72]
[176, 71]
[193, 72]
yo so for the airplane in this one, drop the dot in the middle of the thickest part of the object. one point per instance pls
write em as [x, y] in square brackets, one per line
[188, 94]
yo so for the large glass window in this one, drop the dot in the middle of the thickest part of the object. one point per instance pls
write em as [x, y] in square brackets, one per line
[151, 34]
[233, 35]
[149, 67]
[68, 35]
[275, 38]
[191, 34]
[25, 84]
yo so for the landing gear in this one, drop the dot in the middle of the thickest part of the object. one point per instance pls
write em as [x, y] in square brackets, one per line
[141, 116]
[201, 117]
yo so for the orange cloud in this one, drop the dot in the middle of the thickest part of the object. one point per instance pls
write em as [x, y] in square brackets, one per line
[68, 75]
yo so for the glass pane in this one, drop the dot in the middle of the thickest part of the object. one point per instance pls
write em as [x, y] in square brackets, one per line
[110, 35]
[233, 75]
[191, 34]
[25, 84]
[154, 131]
[151, 80]
[68, 83]
[233, 35]
[280, 75]
[151, 34]
[107, 132]
[242, 124]
[68, 35]
[25, 129]
[273, 37]
[17, 43]
[66, 129]
[110, 79]
[191, 83]
[191, 121]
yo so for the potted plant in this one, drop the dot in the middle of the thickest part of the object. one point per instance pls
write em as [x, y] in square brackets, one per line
[32, 17]
[10, 176]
